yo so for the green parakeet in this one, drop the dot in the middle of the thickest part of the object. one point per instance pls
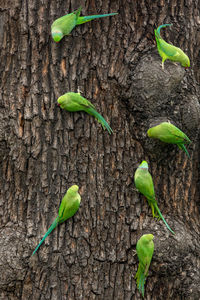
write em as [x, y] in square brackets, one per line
[69, 205]
[144, 249]
[170, 52]
[64, 25]
[75, 102]
[144, 183]
[168, 133]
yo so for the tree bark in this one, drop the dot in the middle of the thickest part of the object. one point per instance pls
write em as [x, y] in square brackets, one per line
[44, 150]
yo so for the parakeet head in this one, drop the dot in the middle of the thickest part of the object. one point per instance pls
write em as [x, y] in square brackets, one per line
[72, 191]
[143, 165]
[185, 61]
[74, 188]
[153, 132]
[147, 237]
[57, 35]
[62, 100]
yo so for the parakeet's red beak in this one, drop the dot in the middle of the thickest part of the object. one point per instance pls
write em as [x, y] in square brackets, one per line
[58, 104]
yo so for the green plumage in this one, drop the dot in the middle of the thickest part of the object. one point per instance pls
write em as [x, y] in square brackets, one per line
[168, 133]
[170, 52]
[144, 183]
[69, 205]
[64, 25]
[144, 249]
[75, 102]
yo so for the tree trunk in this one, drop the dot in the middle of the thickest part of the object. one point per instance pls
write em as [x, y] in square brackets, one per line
[44, 150]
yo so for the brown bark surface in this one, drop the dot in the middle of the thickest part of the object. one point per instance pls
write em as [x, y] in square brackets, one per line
[44, 150]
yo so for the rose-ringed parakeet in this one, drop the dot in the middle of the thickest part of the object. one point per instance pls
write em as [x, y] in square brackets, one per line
[170, 52]
[75, 102]
[168, 133]
[144, 249]
[64, 25]
[144, 183]
[69, 205]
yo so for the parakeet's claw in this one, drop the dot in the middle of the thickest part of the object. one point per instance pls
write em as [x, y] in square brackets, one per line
[153, 212]
[163, 65]
[79, 91]
[134, 252]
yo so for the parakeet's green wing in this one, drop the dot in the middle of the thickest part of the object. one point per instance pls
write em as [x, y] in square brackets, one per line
[66, 23]
[61, 211]
[74, 13]
[148, 189]
[179, 134]
[90, 108]
[60, 20]
[68, 208]
[143, 259]
[168, 49]
[83, 101]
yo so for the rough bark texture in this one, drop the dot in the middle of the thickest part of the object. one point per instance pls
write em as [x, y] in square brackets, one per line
[44, 150]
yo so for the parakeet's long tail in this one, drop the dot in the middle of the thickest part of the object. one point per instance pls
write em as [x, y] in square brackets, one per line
[162, 26]
[100, 119]
[53, 225]
[157, 31]
[85, 19]
[140, 279]
[159, 212]
[182, 146]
